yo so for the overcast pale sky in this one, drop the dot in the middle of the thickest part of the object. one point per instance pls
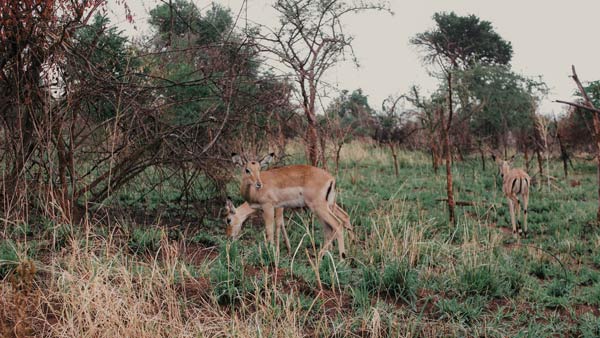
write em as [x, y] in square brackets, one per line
[547, 38]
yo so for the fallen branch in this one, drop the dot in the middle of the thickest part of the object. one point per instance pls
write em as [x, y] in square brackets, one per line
[458, 203]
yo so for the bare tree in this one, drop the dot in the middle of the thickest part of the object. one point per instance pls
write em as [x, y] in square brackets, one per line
[309, 41]
[587, 104]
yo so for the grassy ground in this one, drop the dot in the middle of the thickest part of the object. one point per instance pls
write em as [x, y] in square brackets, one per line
[410, 272]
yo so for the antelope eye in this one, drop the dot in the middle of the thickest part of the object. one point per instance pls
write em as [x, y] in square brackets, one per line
[228, 221]
[247, 171]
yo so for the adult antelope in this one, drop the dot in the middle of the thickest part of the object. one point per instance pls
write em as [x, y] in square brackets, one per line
[292, 186]
[515, 182]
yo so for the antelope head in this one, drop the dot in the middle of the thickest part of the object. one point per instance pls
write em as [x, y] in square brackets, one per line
[251, 169]
[234, 223]
[503, 165]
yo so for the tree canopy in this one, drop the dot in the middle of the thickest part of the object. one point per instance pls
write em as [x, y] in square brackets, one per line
[463, 41]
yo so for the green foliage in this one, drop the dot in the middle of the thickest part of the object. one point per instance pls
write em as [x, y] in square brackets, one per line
[351, 113]
[589, 325]
[396, 280]
[227, 275]
[465, 311]
[463, 41]
[579, 122]
[333, 274]
[145, 239]
[480, 280]
[8, 257]
[263, 255]
[183, 17]
[106, 48]
[509, 100]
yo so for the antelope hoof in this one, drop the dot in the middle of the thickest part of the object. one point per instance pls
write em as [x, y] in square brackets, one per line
[515, 234]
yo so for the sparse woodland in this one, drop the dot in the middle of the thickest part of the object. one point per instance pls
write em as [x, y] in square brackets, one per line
[115, 156]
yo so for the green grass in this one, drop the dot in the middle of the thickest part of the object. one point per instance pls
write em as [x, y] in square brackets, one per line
[410, 272]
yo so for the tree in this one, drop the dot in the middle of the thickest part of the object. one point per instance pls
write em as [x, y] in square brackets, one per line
[590, 100]
[309, 41]
[429, 114]
[458, 43]
[346, 117]
[395, 123]
[123, 107]
[182, 19]
[497, 102]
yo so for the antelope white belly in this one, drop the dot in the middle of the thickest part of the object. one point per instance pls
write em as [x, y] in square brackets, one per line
[291, 198]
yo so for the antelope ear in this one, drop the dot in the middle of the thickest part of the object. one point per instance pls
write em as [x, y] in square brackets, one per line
[494, 158]
[237, 159]
[264, 162]
[229, 206]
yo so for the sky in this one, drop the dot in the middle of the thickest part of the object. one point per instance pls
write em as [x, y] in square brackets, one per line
[547, 38]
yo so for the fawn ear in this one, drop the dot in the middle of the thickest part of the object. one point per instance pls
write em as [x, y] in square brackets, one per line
[237, 159]
[229, 207]
[264, 162]
[496, 158]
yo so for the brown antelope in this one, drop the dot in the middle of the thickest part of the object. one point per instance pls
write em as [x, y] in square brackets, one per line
[237, 216]
[515, 182]
[292, 186]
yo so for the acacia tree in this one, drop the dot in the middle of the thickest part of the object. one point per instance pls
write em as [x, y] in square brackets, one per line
[309, 41]
[495, 101]
[459, 43]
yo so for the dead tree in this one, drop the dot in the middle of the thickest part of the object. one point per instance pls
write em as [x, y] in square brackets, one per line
[587, 104]
[309, 41]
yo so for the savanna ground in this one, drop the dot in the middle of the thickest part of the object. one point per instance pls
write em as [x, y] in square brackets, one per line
[410, 272]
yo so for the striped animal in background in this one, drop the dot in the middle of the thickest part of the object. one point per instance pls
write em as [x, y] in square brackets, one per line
[515, 183]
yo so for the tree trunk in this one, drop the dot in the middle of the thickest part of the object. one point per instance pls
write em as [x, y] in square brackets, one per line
[312, 135]
[395, 156]
[596, 120]
[449, 188]
[540, 163]
[434, 155]
[323, 154]
[482, 153]
[312, 140]
[526, 151]
[564, 156]
[337, 156]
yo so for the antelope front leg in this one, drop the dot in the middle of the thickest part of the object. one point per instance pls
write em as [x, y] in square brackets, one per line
[269, 218]
[280, 226]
